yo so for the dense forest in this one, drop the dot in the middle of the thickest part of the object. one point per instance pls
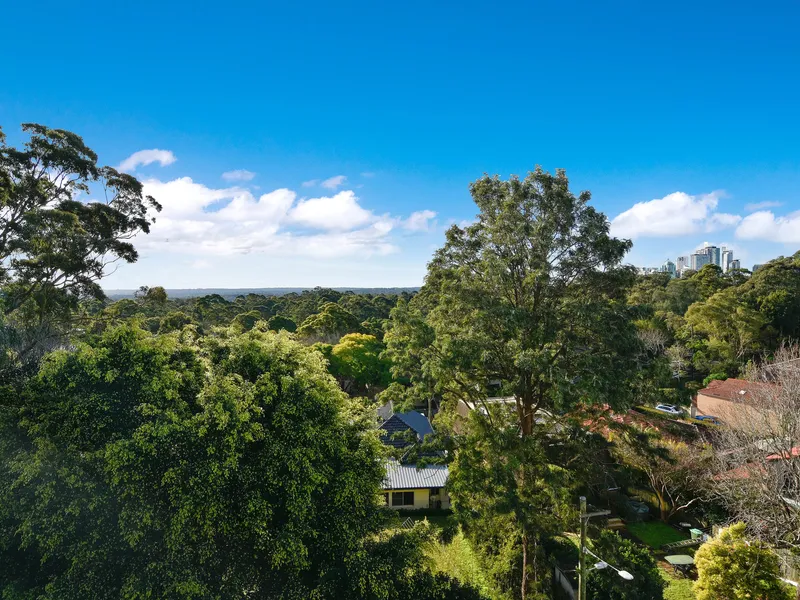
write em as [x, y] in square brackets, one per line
[711, 325]
[204, 447]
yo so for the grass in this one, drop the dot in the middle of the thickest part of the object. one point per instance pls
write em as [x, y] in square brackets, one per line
[655, 533]
[677, 588]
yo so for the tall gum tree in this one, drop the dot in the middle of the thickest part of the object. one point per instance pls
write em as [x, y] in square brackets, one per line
[531, 297]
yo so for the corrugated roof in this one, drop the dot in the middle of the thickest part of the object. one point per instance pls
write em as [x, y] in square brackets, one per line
[408, 477]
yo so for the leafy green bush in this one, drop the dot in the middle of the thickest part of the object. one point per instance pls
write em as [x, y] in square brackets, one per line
[647, 583]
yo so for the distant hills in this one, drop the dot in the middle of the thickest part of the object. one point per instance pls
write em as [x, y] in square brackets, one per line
[231, 293]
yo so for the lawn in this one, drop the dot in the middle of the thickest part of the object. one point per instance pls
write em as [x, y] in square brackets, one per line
[655, 533]
[677, 588]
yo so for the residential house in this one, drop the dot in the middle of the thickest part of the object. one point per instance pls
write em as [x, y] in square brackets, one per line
[407, 487]
[732, 401]
[402, 430]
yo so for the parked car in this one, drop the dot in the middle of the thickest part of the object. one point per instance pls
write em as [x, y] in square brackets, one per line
[708, 419]
[670, 409]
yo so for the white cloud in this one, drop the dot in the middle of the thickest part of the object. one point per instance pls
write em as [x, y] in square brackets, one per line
[673, 215]
[718, 221]
[341, 211]
[238, 175]
[764, 225]
[761, 205]
[202, 221]
[331, 183]
[311, 183]
[420, 220]
[146, 157]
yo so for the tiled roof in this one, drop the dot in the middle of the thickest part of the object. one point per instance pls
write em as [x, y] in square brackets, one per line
[736, 390]
[398, 423]
[407, 477]
[417, 421]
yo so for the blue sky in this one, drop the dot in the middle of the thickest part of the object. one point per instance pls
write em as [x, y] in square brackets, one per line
[691, 104]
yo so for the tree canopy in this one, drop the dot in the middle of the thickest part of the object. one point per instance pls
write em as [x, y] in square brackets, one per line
[729, 567]
[54, 248]
[154, 466]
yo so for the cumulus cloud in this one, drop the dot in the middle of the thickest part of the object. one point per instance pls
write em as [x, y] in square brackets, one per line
[673, 215]
[718, 221]
[764, 225]
[341, 211]
[331, 183]
[238, 175]
[203, 222]
[761, 205]
[420, 220]
[147, 157]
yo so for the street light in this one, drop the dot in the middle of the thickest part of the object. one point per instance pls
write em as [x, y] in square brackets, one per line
[582, 570]
[603, 564]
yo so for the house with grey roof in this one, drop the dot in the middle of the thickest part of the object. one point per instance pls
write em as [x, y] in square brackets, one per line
[410, 488]
[406, 486]
[402, 430]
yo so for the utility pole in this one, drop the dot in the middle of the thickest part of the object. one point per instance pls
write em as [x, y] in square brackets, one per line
[582, 554]
[582, 572]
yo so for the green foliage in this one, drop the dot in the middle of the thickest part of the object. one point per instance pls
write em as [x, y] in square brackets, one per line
[457, 559]
[278, 323]
[330, 324]
[729, 567]
[149, 466]
[709, 280]
[732, 327]
[774, 290]
[647, 583]
[246, 321]
[173, 321]
[358, 365]
[519, 297]
[508, 493]
[678, 588]
[714, 377]
[716, 322]
[53, 248]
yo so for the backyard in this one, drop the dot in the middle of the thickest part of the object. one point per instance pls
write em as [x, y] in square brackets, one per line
[655, 533]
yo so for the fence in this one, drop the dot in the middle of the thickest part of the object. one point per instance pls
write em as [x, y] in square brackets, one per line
[563, 583]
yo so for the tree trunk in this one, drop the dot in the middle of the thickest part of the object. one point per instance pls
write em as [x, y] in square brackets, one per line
[662, 507]
[524, 587]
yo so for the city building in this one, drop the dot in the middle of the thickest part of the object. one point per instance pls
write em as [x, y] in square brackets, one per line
[713, 255]
[669, 267]
[736, 264]
[683, 264]
[756, 267]
[727, 258]
[698, 260]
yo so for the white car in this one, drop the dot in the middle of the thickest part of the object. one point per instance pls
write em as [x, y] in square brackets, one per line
[669, 409]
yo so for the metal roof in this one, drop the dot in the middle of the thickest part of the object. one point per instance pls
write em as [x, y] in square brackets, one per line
[408, 477]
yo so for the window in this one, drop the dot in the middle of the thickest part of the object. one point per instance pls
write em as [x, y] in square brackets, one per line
[402, 498]
[434, 491]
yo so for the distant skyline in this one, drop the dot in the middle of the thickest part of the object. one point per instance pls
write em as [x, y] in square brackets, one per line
[304, 144]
